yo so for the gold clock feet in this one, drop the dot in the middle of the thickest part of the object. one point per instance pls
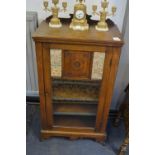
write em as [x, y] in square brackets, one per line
[77, 24]
[79, 27]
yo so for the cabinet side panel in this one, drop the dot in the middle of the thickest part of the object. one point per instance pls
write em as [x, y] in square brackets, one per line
[48, 84]
[111, 81]
[103, 88]
[39, 56]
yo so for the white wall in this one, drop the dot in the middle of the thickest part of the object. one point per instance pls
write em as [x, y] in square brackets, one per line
[123, 69]
[37, 5]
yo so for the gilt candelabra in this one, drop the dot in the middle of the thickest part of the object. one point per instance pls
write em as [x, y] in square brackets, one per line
[55, 21]
[102, 25]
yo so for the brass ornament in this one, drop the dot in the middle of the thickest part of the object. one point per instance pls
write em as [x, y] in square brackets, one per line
[79, 21]
[64, 5]
[55, 21]
[102, 25]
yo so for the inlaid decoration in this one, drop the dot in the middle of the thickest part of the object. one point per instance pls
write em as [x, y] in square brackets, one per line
[98, 64]
[77, 66]
[56, 62]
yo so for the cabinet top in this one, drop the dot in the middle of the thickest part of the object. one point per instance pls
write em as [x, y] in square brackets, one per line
[90, 37]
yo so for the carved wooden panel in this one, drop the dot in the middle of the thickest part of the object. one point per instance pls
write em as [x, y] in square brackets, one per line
[77, 65]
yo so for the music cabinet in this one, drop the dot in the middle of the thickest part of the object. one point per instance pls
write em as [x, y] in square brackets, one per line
[75, 104]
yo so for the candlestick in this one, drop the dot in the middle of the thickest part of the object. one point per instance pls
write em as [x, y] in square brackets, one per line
[55, 21]
[102, 25]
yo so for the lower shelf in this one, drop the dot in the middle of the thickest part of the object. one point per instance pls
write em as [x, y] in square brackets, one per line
[74, 121]
[75, 109]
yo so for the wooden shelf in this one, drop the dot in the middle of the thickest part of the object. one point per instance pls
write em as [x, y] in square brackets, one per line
[78, 100]
[75, 92]
[78, 82]
[74, 121]
[75, 109]
[74, 101]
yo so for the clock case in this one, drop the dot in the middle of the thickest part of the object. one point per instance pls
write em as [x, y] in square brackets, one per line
[79, 24]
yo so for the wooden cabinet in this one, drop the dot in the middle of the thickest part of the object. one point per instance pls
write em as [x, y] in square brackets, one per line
[75, 105]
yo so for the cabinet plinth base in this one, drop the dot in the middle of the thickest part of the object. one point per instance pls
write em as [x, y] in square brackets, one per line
[100, 137]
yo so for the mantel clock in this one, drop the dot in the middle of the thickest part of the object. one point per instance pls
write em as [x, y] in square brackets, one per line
[79, 21]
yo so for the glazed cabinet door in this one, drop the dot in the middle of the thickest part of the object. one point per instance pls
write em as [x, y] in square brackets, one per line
[72, 81]
[77, 87]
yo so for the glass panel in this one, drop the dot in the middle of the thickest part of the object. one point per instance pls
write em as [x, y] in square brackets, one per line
[75, 101]
[56, 68]
[98, 64]
[75, 90]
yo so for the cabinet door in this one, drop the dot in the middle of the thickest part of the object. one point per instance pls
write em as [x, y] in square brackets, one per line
[75, 102]
[79, 94]
[72, 99]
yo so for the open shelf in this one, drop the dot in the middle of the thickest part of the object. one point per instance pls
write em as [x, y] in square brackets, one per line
[75, 103]
[57, 80]
[77, 92]
[74, 121]
[75, 109]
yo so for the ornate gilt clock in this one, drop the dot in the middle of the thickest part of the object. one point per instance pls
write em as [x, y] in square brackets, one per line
[79, 21]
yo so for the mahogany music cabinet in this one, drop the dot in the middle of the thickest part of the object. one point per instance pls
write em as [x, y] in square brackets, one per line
[76, 104]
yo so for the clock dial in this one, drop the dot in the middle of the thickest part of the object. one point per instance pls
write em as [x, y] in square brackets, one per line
[79, 14]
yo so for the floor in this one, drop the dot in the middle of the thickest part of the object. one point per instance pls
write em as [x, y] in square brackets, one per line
[64, 146]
